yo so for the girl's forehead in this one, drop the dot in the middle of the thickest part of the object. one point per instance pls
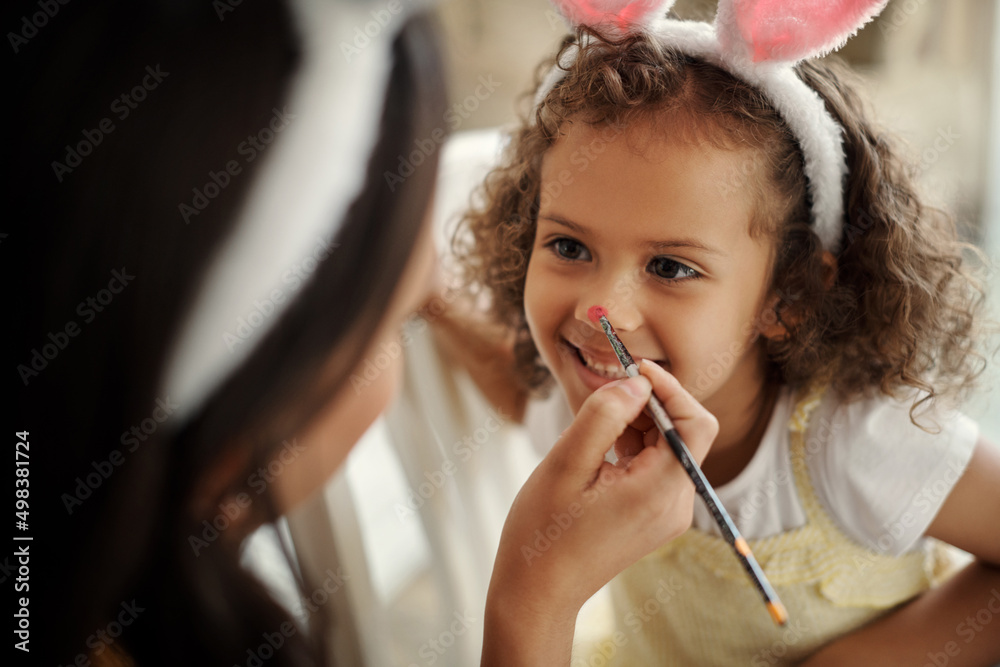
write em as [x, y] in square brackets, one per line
[676, 164]
[646, 188]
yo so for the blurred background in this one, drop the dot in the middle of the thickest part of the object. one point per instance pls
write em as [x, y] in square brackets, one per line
[932, 69]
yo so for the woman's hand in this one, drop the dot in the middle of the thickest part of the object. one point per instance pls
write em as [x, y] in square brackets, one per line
[579, 521]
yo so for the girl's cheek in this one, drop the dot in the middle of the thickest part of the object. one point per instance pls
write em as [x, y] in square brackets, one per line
[540, 285]
[534, 312]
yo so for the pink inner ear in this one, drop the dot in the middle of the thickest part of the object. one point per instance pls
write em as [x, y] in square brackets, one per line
[623, 14]
[790, 30]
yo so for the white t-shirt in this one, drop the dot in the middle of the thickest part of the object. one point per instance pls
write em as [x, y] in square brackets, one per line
[881, 478]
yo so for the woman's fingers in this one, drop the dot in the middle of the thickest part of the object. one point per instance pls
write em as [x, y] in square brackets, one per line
[601, 420]
[696, 425]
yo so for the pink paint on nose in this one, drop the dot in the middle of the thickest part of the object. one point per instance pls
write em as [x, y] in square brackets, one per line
[595, 313]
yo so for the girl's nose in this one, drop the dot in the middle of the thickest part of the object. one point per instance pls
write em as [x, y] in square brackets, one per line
[623, 311]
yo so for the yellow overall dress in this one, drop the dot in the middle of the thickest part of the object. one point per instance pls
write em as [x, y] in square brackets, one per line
[691, 604]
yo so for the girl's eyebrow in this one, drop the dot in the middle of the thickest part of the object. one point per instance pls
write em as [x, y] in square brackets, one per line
[691, 244]
[579, 229]
[659, 246]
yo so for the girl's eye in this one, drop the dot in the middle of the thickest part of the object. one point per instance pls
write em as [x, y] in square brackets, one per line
[668, 269]
[570, 249]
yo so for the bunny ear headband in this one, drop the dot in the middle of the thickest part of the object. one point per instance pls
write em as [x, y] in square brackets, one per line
[758, 42]
[309, 177]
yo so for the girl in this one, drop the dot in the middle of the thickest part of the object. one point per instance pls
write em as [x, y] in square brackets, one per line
[754, 234]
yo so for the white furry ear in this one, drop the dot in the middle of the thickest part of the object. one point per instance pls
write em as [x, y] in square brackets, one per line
[621, 15]
[790, 30]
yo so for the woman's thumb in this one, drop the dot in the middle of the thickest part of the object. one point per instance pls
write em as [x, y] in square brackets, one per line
[601, 420]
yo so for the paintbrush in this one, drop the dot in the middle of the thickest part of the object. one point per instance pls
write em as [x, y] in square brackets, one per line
[655, 409]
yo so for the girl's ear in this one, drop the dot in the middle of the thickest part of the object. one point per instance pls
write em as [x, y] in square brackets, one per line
[772, 319]
[781, 312]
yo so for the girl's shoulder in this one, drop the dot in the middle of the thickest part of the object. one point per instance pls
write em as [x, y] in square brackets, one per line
[879, 473]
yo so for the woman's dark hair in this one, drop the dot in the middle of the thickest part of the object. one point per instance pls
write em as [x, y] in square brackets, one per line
[113, 475]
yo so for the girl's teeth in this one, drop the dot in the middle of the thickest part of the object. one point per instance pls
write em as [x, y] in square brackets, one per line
[615, 372]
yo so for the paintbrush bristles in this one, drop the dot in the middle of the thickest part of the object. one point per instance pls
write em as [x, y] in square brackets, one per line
[616, 343]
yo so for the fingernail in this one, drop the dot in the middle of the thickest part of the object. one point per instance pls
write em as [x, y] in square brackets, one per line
[638, 386]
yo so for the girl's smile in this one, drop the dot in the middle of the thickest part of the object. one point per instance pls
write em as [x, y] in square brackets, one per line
[595, 365]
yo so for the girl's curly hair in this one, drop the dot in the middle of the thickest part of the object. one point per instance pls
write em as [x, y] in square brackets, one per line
[901, 310]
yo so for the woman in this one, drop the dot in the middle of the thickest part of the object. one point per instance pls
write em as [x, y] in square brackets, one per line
[205, 260]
